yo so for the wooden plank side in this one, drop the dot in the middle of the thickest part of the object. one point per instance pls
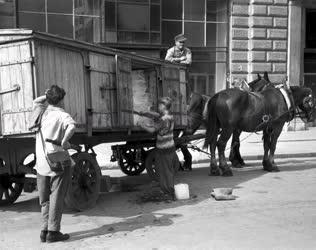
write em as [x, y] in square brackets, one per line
[183, 94]
[171, 88]
[103, 90]
[66, 69]
[15, 69]
[144, 92]
[124, 91]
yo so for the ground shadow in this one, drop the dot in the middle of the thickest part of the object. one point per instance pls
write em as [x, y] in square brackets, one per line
[128, 225]
[126, 198]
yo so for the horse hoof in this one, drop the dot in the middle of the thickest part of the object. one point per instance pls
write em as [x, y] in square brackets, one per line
[238, 165]
[271, 169]
[215, 172]
[227, 173]
[275, 169]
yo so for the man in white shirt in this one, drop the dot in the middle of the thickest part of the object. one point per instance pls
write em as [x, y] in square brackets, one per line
[56, 125]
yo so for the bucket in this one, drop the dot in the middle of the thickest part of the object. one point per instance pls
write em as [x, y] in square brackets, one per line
[182, 191]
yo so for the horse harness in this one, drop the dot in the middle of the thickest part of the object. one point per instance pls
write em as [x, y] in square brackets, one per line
[267, 118]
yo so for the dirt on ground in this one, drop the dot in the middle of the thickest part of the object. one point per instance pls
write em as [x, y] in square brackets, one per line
[272, 211]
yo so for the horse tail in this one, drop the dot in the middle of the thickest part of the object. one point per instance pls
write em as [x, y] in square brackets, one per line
[211, 120]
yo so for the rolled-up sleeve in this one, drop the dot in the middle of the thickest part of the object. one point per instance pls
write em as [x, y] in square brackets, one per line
[67, 120]
[169, 56]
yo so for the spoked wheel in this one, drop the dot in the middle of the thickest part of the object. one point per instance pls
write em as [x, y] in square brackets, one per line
[85, 183]
[11, 187]
[131, 163]
[150, 165]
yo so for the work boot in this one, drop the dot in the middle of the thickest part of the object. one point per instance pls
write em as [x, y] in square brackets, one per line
[54, 236]
[43, 235]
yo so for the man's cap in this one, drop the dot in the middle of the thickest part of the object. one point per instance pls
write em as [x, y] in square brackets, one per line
[180, 38]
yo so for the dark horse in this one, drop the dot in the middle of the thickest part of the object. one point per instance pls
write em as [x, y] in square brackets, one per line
[197, 105]
[233, 110]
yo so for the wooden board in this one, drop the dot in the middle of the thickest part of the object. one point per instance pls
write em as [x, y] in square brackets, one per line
[103, 91]
[125, 92]
[16, 69]
[64, 67]
[176, 90]
[144, 83]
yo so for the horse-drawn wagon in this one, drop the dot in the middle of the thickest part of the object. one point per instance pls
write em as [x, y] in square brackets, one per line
[103, 85]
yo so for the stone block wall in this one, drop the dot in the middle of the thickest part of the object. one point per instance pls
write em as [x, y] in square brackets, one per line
[259, 38]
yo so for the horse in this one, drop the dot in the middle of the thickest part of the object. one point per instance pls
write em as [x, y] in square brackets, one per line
[232, 111]
[197, 106]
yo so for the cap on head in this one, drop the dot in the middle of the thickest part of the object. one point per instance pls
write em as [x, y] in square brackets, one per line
[165, 101]
[180, 38]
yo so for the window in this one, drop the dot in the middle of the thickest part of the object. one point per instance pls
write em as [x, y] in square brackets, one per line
[36, 21]
[133, 17]
[77, 19]
[7, 14]
[60, 25]
[194, 33]
[310, 28]
[204, 23]
[172, 9]
[60, 6]
[132, 21]
[194, 10]
[169, 28]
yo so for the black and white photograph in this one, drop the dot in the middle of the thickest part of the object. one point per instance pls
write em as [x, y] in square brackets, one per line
[158, 124]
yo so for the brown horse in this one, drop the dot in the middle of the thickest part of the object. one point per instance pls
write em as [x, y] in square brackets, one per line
[196, 108]
[233, 110]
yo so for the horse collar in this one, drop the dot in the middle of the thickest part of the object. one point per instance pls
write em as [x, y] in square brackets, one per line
[288, 97]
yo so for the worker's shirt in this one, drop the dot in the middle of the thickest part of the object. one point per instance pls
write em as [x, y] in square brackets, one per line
[53, 126]
[164, 127]
[174, 52]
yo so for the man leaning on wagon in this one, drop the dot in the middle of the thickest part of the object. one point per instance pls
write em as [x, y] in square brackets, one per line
[53, 178]
[179, 53]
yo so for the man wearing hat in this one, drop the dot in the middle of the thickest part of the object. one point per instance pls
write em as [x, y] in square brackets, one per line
[179, 53]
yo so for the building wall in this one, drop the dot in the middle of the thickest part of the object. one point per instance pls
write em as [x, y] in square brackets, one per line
[259, 38]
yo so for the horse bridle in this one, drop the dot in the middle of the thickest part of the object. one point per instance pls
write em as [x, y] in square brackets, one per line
[308, 103]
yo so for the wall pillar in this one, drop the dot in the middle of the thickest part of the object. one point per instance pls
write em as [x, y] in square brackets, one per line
[295, 43]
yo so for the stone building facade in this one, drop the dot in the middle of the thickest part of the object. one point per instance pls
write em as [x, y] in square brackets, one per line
[259, 39]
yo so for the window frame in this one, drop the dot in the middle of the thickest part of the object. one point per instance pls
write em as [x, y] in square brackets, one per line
[148, 3]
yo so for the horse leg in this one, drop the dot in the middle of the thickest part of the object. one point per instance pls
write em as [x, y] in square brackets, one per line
[234, 156]
[187, 158]
[274, 138]
[214, 169]
[221, 145]
[267, 164]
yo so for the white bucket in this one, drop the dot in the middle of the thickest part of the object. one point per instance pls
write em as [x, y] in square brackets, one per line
[182, 191]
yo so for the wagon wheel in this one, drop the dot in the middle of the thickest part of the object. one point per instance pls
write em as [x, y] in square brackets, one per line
[84, 187]
[129, 163]
[150, 165]
[11, 187]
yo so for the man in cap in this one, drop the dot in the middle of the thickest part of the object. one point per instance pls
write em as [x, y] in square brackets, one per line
[179, 53]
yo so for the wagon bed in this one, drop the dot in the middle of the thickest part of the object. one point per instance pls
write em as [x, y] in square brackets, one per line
[103, 88]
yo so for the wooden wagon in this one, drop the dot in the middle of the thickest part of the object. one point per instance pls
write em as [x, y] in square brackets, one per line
[103, 87]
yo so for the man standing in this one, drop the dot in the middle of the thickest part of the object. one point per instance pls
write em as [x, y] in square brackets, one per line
[179, 53]
[52, 186]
